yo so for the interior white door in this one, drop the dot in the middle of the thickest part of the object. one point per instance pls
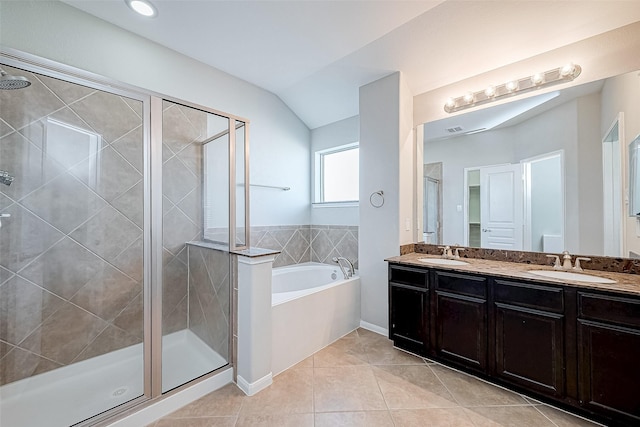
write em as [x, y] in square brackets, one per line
[501, 212]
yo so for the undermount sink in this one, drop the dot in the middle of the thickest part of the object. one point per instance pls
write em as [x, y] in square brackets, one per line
[566, 275]
[442, 261]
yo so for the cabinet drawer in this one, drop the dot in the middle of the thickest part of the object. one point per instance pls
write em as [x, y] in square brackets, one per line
[545, 298]
[610, 309]
[461, 284]
[409, 276]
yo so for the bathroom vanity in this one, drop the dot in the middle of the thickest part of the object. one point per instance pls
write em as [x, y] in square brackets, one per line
[572, 343]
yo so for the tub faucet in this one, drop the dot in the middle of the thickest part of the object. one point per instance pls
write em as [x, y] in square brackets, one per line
[351, 272]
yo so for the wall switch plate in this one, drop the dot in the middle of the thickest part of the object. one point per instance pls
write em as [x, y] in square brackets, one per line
[407, 224]
[458, 208]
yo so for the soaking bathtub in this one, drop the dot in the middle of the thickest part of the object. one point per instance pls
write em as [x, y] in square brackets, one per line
[312, 306]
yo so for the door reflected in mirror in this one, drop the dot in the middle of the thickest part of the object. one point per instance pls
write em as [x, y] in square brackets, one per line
[544, 173]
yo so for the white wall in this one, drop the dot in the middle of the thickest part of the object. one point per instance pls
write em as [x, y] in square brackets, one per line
[279, 140]
[333, 135]
[590, 181]
[547, 214]
[385, 128]
[621, 94]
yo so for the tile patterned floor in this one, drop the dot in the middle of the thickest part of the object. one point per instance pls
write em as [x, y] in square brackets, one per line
[362, 381]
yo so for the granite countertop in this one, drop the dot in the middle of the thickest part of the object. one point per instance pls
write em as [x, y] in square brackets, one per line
[625, 283]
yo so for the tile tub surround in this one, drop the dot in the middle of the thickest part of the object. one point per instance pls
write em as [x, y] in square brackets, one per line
[362, 381]
[597, 263]
[304, 243]
[71, 252]
[624, 283]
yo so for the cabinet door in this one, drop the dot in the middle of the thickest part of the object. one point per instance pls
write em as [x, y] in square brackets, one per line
[530, 348]
[609, 378]
[461, 329]
[408, 318]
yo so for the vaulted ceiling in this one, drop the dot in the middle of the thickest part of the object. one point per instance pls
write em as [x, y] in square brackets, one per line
[315, 55]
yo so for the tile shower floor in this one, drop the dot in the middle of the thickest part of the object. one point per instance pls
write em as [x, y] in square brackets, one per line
[361, 380]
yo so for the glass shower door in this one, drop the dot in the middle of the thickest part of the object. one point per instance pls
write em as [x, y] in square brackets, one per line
[71, 251]
[196, 275]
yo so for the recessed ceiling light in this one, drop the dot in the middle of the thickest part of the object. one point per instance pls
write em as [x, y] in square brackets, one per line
[143, 7]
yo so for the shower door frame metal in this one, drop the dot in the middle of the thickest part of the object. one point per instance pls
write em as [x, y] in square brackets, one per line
[152, 214]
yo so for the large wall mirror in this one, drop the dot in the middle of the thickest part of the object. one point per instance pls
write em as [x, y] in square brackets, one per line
[545, 173]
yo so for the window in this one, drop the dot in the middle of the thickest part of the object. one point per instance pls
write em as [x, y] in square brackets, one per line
[337, 171]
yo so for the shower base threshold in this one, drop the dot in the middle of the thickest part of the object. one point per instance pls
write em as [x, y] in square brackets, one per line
[73, 393]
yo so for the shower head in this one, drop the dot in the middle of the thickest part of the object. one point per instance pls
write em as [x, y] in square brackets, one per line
[8, 82]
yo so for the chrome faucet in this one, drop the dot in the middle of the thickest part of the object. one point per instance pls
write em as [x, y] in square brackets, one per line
[578, 267]
[347, 274]
[446, 251]
[566, 262]
[6, 178]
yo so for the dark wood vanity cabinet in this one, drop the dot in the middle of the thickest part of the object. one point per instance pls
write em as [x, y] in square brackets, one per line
[460, 317]
[409, 309]
[529, 336]
[577, 347]
[609, 355]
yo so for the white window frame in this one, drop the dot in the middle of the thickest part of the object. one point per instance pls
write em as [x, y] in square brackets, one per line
[319, 176]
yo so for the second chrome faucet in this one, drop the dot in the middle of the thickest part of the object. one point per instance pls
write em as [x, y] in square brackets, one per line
[566, 262]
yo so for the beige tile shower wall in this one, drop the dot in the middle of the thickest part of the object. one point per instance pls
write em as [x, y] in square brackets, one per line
[209, 297]
[71, 252]
[305, 243]
[183, 131]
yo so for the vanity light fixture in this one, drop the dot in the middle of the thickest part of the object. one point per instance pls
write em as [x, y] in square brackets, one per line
[513, 87]
[142, 7]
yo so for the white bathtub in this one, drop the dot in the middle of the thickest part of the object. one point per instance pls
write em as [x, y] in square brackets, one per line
[312, 306]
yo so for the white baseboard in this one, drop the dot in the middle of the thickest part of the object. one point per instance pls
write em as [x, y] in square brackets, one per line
[374, 328]
[252, 388]
[176, 401]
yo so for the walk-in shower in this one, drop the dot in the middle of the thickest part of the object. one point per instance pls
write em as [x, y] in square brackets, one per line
[106, 298]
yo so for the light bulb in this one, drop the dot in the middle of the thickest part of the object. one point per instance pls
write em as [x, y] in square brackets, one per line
[450, 103]
[567, 69]
[511, 85]
[537, 79]
[490, 91]
[143, 7]
[468, 97]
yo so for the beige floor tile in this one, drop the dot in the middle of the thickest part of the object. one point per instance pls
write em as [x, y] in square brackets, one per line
[434, 417]
[412, 387]
[197, 422]
[346, 388]
[346, 351]
[369, 337]
[507, 416]
[384, 353]
[290, 393]
[469, 391]
[354, 419]
[306, 363]
[223, 402]
[564, 419]
[275, 420]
